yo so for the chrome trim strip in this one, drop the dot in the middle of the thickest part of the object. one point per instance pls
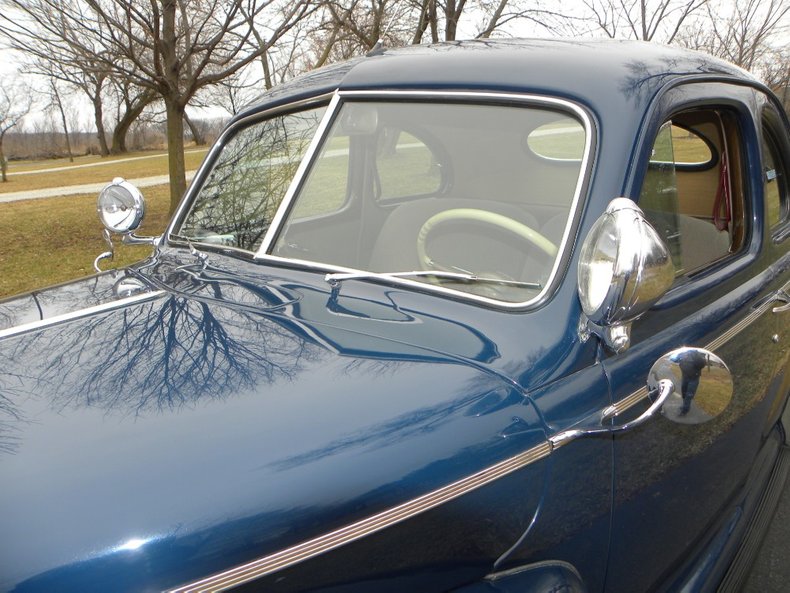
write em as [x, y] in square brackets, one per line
[54, 320]
[584, 172]
[309, 549]
[625, 404]
[740, 326]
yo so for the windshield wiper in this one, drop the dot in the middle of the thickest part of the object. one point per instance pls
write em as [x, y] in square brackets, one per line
[336, 278]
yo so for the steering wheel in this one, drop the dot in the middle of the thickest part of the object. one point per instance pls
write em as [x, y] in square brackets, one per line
[485, 217]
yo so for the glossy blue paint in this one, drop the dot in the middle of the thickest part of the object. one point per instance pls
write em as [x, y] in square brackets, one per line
[230, 410]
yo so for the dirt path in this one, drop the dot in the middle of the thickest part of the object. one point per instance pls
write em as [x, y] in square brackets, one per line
[88, 188]
[11, 171]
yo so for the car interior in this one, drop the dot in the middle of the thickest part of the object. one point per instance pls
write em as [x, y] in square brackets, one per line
[483, 189]
[693, 189]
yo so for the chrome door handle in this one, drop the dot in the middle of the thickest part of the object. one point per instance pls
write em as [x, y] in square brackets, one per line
[783, 297]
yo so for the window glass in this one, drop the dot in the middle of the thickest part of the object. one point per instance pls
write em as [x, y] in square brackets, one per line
[451, 188]
[248, 180]
[774, 182]
[405, 165]
[327, 186]
[560, 139]
[694, 208]
[690, 149]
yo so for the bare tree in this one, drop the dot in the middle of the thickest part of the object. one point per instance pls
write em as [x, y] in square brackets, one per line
[15, 103]
[235, 92]
[739, 32]
[774, 68]
[130, 101]
[352, 27]
[173, 48]
[647, 20]
[54, 97]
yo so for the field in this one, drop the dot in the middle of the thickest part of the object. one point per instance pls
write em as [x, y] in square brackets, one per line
[56, 239]
[52, 240]
[90, 170]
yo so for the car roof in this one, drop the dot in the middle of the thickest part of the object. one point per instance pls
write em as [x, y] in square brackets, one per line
[600, 73]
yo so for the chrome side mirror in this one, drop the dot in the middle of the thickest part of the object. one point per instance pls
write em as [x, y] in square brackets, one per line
[121, 208]
[624, 268]
[702, 385]
[688, 385]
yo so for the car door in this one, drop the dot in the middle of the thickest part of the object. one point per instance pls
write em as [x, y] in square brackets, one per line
[683, 485]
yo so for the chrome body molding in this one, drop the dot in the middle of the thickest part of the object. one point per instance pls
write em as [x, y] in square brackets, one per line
[86, 312]
[250, 571]
[753, 316]
[625, 404]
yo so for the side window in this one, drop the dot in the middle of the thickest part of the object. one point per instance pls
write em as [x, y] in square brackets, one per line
[693, 190]
[774, 181]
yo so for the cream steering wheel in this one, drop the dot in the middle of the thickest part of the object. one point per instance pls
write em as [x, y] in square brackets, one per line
[485, 217]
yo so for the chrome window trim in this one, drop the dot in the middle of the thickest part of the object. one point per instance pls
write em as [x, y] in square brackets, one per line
[86, 312]
[311, 548]
[470, 96]
[208, 162]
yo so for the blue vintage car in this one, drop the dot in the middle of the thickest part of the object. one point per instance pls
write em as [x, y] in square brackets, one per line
[485, 316]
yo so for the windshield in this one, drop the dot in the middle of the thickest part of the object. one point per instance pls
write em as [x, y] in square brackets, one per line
[248, 180]
[481, 192]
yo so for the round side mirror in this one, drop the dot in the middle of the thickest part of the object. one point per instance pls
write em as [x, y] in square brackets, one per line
[702, 383]
[120, 206]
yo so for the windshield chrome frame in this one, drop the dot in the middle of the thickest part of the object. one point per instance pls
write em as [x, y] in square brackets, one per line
[312, 153]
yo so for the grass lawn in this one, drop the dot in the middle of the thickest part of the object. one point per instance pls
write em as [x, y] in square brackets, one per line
[56, 239]
[103, 171]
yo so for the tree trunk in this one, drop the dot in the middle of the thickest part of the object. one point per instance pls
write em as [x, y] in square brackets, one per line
[193, 129]
[174, 107]
[175, 151]
[3, 163]
[123, 125]
[101, 134]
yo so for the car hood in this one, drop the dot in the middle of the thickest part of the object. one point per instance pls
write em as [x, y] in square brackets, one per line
[164, 423]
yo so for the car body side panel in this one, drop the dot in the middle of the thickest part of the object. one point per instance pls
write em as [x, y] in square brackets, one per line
[675, 481]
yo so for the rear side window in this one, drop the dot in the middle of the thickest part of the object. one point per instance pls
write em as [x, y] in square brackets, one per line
[693, 189]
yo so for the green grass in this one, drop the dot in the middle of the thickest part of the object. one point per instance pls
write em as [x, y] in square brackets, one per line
[56, 239]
